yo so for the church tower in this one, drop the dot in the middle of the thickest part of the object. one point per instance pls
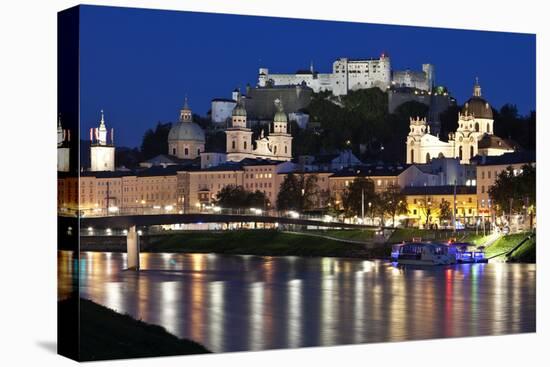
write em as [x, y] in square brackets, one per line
[238, 136]
[475, 121]
[418, 128]
[102, 154]
[281, 140]
[63, 139]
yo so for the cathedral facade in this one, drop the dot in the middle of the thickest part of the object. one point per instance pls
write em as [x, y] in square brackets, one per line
[474, 135]
[276, 146]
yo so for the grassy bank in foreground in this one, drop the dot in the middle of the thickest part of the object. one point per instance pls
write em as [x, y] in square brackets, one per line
[263, 242]
[525, 253]
[106, 334]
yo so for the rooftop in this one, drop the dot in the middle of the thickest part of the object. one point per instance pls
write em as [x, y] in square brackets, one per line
[527, 156]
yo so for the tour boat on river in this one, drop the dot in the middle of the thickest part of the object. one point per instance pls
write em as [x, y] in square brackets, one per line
[433, 253]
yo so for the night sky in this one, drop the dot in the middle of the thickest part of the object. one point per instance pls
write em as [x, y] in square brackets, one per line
[138, 65]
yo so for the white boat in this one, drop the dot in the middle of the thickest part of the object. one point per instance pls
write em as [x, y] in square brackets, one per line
[424, 253]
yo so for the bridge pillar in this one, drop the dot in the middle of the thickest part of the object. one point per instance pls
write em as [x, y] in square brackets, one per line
[132, 248]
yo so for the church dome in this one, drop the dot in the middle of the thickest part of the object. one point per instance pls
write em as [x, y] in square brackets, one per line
[239, 110]
[186, 131]
[477, 106]
[280, 115]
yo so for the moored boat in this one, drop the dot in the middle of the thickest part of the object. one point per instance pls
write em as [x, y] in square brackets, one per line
[424, 253]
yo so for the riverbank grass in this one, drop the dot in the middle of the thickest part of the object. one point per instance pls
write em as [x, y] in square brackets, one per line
[264, 243]
[106, 334]
[525, 253]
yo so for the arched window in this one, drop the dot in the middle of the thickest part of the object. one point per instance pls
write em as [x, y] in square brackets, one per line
[199, 151]
[427, 157]
[233, 144]
[412, 155]
[186, 151]
[460, 152]
[286, 149]
[173, 151]
[244, 145]
[275, 149]
[471, 151]
[488, 128]
[477, 126]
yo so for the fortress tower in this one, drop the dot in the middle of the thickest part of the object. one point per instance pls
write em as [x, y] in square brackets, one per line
[102, 153]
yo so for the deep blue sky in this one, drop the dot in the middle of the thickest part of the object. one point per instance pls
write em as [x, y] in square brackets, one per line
[139, 64]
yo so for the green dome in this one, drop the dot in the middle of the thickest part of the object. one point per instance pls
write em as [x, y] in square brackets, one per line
[280, 115]
[239, 110]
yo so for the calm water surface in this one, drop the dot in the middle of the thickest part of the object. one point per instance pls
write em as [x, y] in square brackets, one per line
[235, 303]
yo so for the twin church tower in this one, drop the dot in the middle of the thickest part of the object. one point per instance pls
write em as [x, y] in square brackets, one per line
[186, 139]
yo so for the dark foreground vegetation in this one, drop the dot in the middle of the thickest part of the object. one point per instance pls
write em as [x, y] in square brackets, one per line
[106, 334]
[264, 242]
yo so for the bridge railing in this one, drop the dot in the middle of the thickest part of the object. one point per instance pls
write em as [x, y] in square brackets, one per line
[213, 210]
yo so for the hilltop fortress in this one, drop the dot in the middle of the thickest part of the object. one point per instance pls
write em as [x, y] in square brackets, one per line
[352, 74]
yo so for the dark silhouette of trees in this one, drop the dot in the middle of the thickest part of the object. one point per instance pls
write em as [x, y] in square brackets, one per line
[360, 191]
[155, 141]
[236, 197]
[393, 202]
[298, 192]
[514, 190]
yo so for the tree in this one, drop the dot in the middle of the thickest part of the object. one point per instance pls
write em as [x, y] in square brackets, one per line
[445, 210]
[514, 190]
[358, 194]
[236, 197]
[298, 192]
[427, 208]
[155, 142]
[393, 202]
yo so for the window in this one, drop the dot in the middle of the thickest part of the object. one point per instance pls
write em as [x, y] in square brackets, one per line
[412, 155]
[471, 151]
[173, 151]
[233, 144]
[244, 145]
[186, 151]
[488, 174]
[483, 189]
[482, 175]
[460, 152]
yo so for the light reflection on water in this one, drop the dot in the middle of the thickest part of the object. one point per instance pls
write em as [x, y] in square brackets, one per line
[232, 303]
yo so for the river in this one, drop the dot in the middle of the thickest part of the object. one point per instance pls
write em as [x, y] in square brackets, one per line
[236, 303]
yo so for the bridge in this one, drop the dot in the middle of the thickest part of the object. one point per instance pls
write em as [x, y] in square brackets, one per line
[130, 223]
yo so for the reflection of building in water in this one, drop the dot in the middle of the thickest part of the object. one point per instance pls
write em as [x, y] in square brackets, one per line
[294, 310]
[256, 314]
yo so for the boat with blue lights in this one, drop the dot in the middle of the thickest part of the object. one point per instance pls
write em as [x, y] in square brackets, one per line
[419, 252]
